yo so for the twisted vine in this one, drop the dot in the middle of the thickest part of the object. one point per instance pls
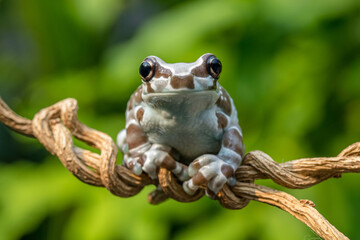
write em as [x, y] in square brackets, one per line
[54, 127]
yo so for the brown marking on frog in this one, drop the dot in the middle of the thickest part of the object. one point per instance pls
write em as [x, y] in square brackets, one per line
[196, 165]
[133, 99]
[222, 120]
[138, 95]
[168, 163]
[200, 71]
[139, 114]
[129, 105]
[199, 179]
[162, 72]
[141, 159]
[233, 140]
[224, 102]
[227, 170]
[149, 88]
[135, 136]
[182, 82]
[214, 86]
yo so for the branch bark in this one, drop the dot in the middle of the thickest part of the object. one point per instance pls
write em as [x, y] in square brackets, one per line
[54, 127]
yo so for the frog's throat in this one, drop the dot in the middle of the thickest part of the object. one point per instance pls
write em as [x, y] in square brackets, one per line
[183, 101]
[193, 94]
[182, 92]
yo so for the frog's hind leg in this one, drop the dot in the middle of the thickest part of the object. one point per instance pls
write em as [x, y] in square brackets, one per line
[121, 142]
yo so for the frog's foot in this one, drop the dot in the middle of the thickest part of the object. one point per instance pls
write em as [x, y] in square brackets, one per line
[154, 158]
[210, 170]
[158, 156]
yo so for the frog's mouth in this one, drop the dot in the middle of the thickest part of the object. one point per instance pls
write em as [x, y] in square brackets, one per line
[183, 101]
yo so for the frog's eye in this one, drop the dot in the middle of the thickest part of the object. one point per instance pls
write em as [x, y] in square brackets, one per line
[213, 66]
[147, 69]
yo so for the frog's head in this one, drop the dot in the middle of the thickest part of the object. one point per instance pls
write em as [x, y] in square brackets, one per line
[161, 79]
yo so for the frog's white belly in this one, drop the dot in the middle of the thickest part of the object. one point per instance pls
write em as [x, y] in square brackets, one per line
[192, 134]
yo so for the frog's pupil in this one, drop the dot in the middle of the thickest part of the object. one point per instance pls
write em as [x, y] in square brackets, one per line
[145, 69]
[216, 66]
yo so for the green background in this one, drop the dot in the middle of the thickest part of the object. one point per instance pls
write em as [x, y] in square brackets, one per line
[292, 68]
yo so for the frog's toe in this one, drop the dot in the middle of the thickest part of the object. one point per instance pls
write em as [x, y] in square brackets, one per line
[189, 187]
[134, 164]
[151, 162]
[150, 168]
[202, 177]
[217, 183]
[137, 169]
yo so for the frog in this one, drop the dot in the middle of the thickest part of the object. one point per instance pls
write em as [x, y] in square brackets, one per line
[180, 118]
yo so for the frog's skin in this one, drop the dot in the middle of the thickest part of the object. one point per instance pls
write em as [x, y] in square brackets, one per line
[179, 116]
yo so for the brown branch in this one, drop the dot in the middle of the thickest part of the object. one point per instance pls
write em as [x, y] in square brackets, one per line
[55, 125]
[14, 121]
[301, 173]
[302, 210]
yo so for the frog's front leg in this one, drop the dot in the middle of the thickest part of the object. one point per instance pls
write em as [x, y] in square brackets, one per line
[159, 156]
[216, 170]
[142, 155]
[150, 159]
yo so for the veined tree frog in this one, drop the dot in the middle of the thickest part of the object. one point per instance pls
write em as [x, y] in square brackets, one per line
[180, 115]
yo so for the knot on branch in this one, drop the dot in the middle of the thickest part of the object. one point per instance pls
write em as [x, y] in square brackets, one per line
[54, 127]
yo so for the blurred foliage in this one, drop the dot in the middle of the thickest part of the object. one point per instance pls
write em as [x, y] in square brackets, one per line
[292, 68]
